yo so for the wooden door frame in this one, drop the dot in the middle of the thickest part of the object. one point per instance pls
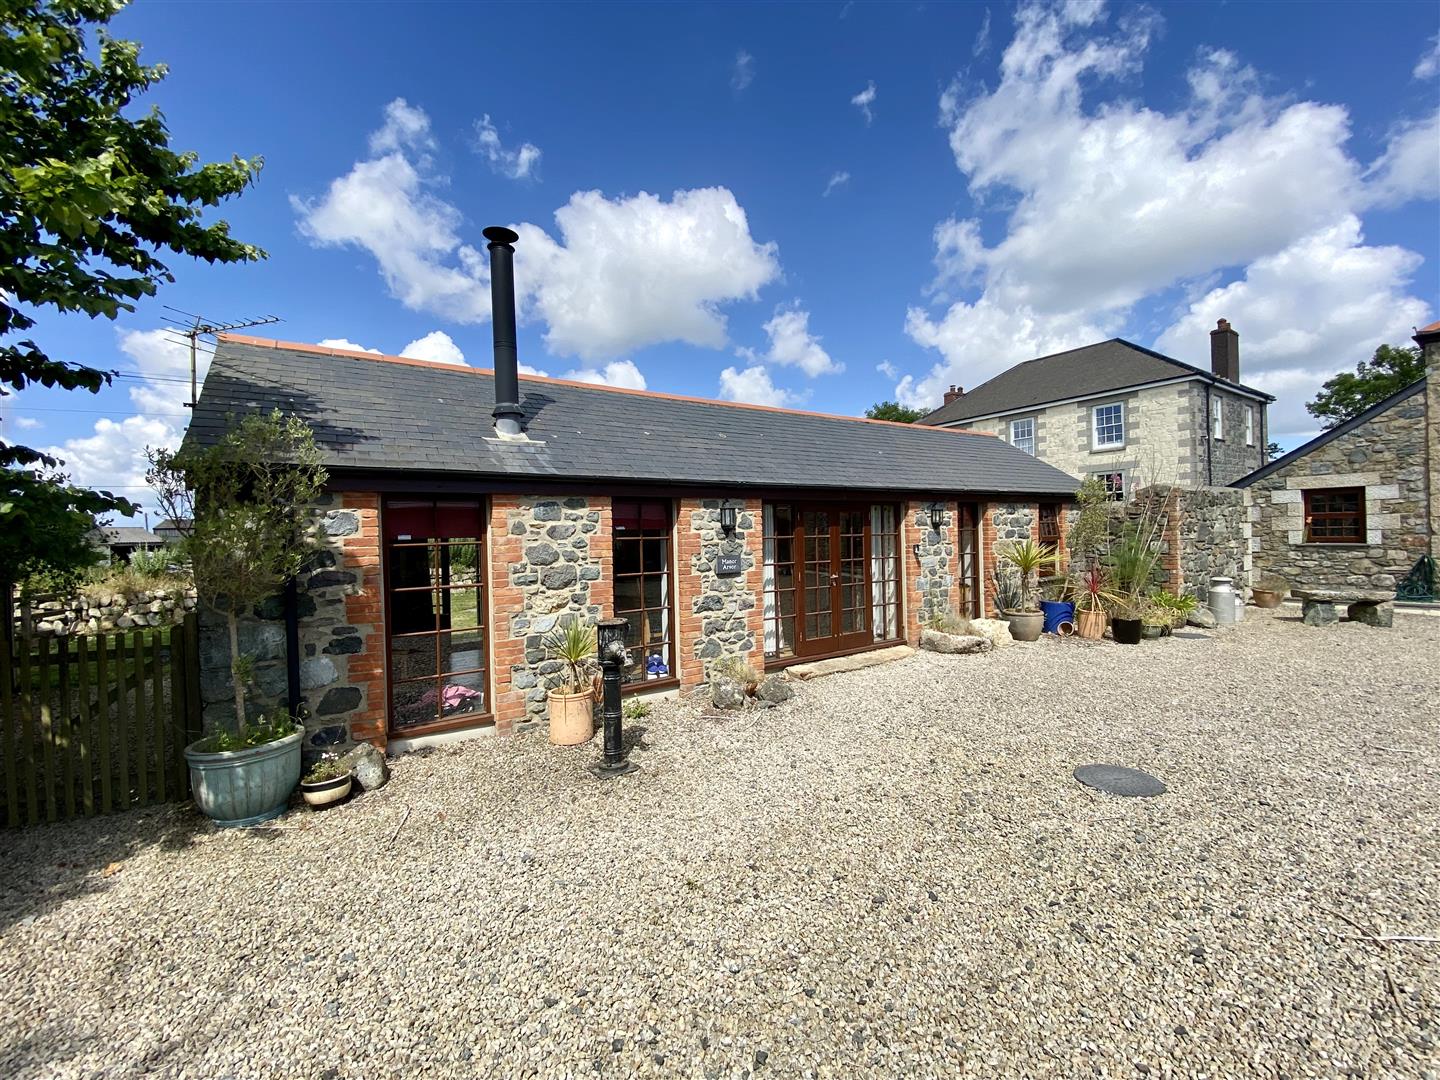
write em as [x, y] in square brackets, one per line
[977, 571]
[835, 643]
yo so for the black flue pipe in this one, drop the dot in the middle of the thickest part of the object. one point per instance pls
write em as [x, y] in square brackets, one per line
[508, 415]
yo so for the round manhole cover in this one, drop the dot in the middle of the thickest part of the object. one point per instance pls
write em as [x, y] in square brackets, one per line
[1118, 780]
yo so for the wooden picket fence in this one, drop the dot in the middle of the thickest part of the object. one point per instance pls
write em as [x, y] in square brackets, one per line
[94, 723]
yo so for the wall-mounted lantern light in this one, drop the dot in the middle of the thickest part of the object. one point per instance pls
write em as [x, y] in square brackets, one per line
[937, 515]
[727, 520]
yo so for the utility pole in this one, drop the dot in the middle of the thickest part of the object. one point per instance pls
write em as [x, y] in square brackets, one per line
[202, 327]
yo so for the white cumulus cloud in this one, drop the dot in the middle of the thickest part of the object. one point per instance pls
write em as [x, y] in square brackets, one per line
[864, 99]
[621, 373]
[517, 164]
[1108, 201]
[1410, 167]
[436, 345]
[346, 344]
[753, 385]
[623, 274]
[792, 344]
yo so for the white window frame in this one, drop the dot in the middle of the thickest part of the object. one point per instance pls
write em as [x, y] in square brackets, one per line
[1114, 495]
[1249, 425]
[1217, 420]
[1095, 443]
[1017, 442]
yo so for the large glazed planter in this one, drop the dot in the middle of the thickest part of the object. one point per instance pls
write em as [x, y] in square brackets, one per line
[244, 787]
[1025, 625]
[1126, 631]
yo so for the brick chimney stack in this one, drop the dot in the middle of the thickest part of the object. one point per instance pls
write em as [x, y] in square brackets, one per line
[953, 393]
[1225, 351]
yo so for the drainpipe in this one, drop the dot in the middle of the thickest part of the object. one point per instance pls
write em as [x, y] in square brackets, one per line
[1209, 437]
[292, 646]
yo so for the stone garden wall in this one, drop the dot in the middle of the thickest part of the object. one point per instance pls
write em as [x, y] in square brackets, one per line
[549, 561]
[105, 612]
[1214, 535]
[1004, 523]
[719, 615]
[934, 587]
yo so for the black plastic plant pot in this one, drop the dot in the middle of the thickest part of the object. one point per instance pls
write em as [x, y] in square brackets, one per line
[1126, 631]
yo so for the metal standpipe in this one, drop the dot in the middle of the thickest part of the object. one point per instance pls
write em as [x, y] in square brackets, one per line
[610, 641]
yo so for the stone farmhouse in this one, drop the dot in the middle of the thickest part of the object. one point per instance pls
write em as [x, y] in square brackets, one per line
[1359, 505]
[1125, 413]
[468, 511]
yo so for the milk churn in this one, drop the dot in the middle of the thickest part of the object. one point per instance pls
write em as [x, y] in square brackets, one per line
[1222, 601]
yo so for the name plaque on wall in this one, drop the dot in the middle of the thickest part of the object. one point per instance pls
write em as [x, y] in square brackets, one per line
[728, 565]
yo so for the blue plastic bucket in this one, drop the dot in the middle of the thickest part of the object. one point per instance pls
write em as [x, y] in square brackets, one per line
[1057, 612]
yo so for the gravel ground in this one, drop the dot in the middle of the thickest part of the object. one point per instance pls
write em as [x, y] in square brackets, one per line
[893, 874]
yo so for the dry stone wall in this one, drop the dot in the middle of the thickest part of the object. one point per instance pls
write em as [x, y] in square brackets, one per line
[60, 616]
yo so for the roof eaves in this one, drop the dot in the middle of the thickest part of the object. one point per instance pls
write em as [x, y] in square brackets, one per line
[1331, 434]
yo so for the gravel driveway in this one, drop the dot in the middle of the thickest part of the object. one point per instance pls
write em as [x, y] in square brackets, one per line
[893, 874]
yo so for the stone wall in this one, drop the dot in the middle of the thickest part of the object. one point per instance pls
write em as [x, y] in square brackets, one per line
[1386, 456]
[549, 562]
[54, 615]
[719, 616]
[341, 637]
[1432, 442]
[934, 586]
[1214, 538]
[1231, 457]
[1004, 524]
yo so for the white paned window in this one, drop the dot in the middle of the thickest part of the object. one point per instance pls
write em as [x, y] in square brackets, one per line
[1022, 434]
[1109, 425]
[1114, 485]
[1249, 425]
[1218, 419]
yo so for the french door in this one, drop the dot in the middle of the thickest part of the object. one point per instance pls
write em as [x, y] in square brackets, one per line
[833, 604]
[968, 554]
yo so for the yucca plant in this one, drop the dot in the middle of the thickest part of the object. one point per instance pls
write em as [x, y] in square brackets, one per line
[573, 644]
[1029, 557]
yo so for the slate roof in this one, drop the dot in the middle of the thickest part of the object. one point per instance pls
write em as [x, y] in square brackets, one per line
[388, 414]
[128, 534]
[1116, 365]
[1331, 434]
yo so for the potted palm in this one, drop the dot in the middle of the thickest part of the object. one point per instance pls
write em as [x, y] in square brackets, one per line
[249, 500]
[572, 703]
[1028, 557]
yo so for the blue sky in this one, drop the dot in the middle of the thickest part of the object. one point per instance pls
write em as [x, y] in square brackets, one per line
[821, 205]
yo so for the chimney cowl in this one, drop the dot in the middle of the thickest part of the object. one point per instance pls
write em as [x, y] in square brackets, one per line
[1225, 351]
[509, 417]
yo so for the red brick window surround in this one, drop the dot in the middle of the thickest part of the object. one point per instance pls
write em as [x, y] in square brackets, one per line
[1335, 516]
[435, 586]
[644, 586]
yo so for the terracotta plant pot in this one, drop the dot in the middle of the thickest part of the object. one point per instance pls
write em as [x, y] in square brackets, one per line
[1266, 598]
[325, 792]
[1090, 624]
[1025, 625]
[1126, 631]
[572, 718]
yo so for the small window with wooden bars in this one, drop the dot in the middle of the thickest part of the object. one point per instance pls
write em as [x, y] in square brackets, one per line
[1335, 516]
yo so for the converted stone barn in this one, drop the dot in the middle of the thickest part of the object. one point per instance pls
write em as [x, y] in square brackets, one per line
[1359, 505]
[469, 510]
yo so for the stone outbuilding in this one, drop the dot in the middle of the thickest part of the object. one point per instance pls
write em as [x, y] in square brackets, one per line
[1359, 505]
[453, 543]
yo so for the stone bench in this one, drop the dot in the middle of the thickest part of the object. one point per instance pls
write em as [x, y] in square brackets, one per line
[1362, 606]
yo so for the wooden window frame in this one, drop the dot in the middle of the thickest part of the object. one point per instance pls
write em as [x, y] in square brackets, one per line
[1311, 496]
[486, 716]
[639, 682]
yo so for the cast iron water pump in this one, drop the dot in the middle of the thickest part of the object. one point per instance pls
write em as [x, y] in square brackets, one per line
[610, 640]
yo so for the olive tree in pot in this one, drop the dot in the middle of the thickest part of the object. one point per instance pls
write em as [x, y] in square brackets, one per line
[572, 704]
[1028, 558]
[249, 499]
